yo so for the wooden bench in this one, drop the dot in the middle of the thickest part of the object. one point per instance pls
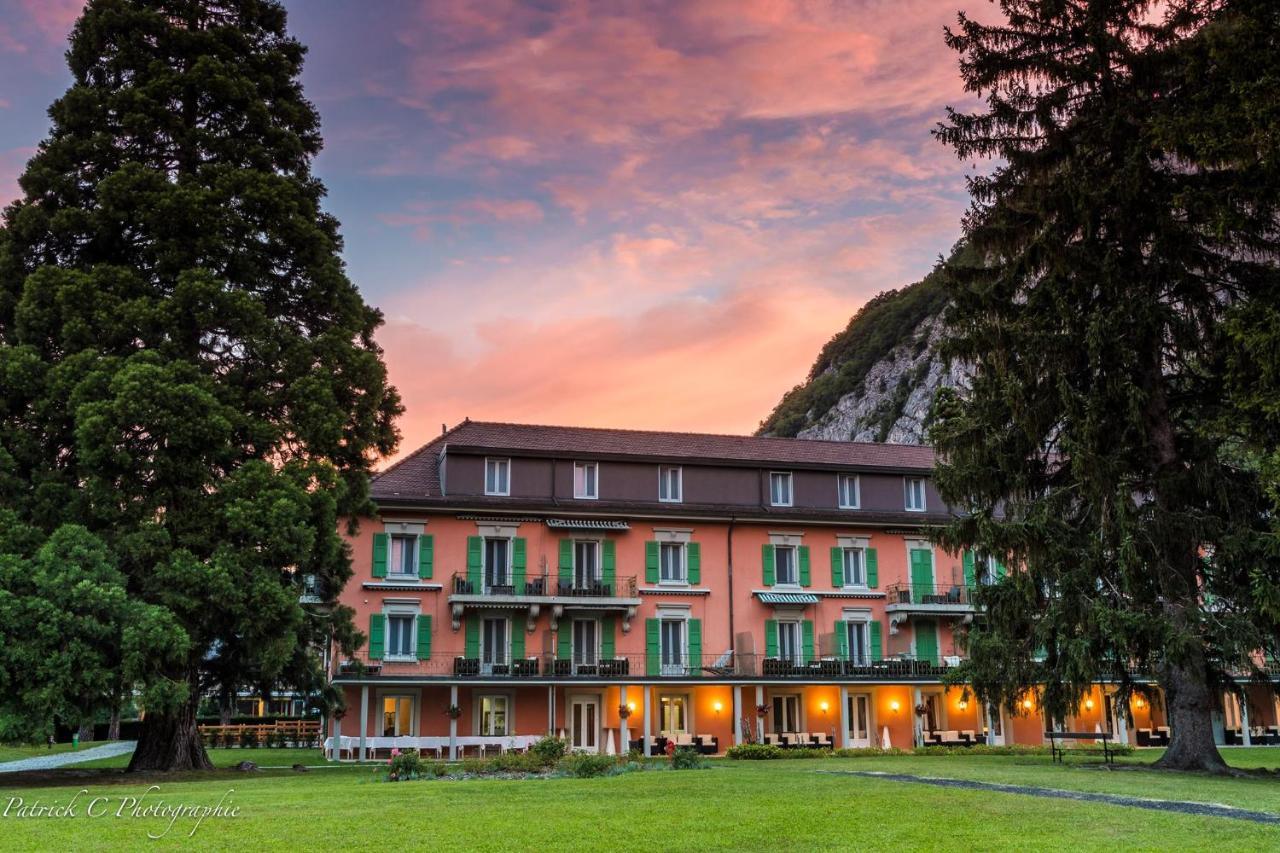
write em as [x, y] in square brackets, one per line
[1059, 751]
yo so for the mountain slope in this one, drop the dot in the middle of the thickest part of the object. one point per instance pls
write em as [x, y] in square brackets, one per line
[875, 380]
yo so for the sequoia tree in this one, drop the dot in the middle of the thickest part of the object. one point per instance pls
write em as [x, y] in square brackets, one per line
[186, 370]
[1126, 224]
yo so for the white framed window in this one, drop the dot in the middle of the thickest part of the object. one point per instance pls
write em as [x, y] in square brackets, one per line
[671, 644]
[403, 559]
[497, 476]
[858, 641]
[401, 639]
[585, 480]
[786, 713]
[847, 485]
[494, 715]
[494, 643]
[673, 713]
[780, 488]
[785, 570]
[789, 644]
[671, 565]
[586, 642]
[586, 563]
[397, 716]
[915, 494]
[497, 563]
[670, 484]
[854, 567]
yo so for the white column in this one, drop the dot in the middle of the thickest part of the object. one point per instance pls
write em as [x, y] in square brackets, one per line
[917, 721]
[737, 714]
[453, 724]
[844, 717]
[625, 730]
[337, 737]
[1246, 738]
[759, 719]
[1122, 721]
[648, 741]
[364, 719]
[990, 733]
[551, 710]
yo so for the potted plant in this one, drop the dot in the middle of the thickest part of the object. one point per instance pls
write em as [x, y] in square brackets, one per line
[624, 711]
[921, 709]
[453, 712]
[762, 711]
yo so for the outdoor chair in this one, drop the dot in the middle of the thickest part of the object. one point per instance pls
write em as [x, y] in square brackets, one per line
[969, 737]
[771, 739]
[1161, 737]
[1144, 737]
[685, 740]
[822, 741]
[708, 745]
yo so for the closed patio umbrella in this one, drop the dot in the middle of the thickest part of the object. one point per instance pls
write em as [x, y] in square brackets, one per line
[884, 739]
[608, 744]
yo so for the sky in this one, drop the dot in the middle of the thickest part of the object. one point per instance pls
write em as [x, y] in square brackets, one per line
[632, 214]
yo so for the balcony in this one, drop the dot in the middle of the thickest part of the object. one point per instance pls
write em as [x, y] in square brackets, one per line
[905, 599]
[539, 590]
[547, 667]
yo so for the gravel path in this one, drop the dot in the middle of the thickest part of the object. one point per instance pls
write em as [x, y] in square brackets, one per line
[1176, 806]
[61, 759]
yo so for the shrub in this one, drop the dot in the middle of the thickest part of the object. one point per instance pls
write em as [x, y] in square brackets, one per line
[687, 758]
[517, 762]
[549, 750]
[869, 752]
[586, 764]
[248, 738]
[403, 766]
[755, 752]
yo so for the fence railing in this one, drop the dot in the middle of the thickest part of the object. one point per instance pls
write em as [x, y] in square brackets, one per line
[459, 665]
[914, 593]
[542, 585]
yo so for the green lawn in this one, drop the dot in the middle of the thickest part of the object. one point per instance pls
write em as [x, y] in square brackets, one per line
[232, 757]
[734, 805]
[15, 752]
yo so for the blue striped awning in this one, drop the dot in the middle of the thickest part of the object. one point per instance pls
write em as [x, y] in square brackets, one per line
[787, 597]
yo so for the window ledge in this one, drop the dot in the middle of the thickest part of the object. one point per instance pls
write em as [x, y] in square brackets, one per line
[674, 590]
[407, 583]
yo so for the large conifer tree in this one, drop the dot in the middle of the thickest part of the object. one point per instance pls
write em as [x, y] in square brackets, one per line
[1098, 447]
[185, 368]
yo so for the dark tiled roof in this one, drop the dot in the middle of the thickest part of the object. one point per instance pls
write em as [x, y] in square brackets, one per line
[418, 474]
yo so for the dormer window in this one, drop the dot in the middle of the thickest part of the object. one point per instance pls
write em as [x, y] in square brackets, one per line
[780, 488]
[670, 484]
[585, 480]
[497, 477]
[915, 494]
[848, 487]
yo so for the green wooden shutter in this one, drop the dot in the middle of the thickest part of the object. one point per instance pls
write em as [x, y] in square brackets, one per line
[609, 562]
[652, 654]
[921, 574]
[519, 566]
[766, 557]
[771, 638]
[966, 560]
[877, 645]
[927, 640]
[806, 638]
[837, 567]
[564, 640]
[424, 637]
[804, 565]
[693, 562]
[517, 640]
[651, 562]
[471, 643]
[377, 635]
[873, 568]
[1000, 569]
[475, 561]
[381, 542]
[566, 561]
[695, 647]
[842, 639]
[607, 647]
[426, 555]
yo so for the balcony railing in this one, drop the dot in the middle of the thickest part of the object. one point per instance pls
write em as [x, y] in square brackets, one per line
[545, 585]
[459, 665]
[949, 595]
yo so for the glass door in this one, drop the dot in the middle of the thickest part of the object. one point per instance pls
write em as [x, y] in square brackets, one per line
[859, 719]
[585, 644]
[584, 723]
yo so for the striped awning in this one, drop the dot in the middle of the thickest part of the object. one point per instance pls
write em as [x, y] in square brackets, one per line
[587, 524]
[787, 597]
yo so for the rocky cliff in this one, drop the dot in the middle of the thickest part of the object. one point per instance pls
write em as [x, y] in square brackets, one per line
[875, 380]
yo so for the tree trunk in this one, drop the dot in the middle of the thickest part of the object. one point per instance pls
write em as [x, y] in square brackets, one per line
[1190, 703]
[113, 724]
[86, 732]
[225, 713]
[171, 741]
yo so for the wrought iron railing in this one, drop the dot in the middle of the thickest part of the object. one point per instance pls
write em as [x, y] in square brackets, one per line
[461, 665]
[542, 585]
[914, 593]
